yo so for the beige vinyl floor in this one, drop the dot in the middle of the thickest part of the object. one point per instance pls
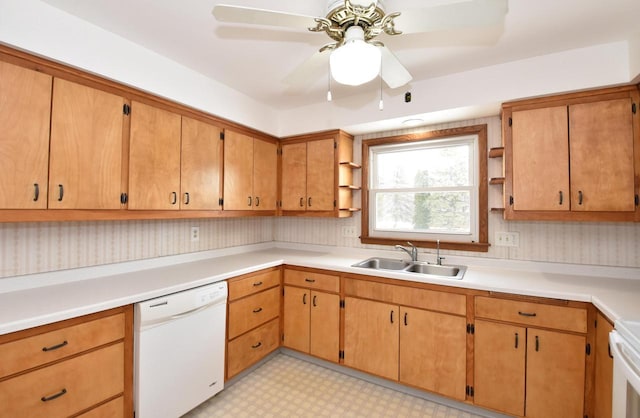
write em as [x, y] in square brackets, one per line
[289, 387]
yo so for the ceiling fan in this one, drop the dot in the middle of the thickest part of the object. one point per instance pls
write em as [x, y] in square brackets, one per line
[356, 56]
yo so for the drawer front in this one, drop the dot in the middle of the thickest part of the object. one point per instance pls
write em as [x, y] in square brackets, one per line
[40, 349]
[248, 313]
[111, 409]
[530, 313]
[312, 280]
[407, 296]
[239, 288]
[80, 382]
[251, 347]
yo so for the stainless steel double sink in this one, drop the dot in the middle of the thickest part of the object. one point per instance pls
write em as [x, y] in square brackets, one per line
[417, 267]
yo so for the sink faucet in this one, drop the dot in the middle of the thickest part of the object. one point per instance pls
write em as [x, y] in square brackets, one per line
[413, 252]
[438, 258]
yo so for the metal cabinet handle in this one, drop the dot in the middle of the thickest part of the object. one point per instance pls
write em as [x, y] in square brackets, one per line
[257, 310]
[405, 319]
[256, 284]
[257, 201]
[249, 200]
[391, 316]
[256, 345]
[54, 396]
[309, 202]
[302, 202]
[579, 197]
[174, 199]
[561, 197]
[60, 192]
[314, 300]
[36, 192]
[537, 343]
[304, 299]
[527, 314]
[186, 198]
[55, 347]
[516, 340]
[309, 280]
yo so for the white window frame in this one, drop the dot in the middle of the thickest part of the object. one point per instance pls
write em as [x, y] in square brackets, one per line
[472, 188]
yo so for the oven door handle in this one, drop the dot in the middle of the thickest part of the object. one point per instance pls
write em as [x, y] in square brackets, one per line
[622, 361]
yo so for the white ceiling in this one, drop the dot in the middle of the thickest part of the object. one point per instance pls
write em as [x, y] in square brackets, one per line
[255, 59]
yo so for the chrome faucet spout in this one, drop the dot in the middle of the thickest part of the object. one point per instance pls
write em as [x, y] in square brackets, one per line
[413, 252]
[438, 258]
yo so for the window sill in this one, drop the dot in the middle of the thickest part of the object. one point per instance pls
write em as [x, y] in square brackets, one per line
[481, 247]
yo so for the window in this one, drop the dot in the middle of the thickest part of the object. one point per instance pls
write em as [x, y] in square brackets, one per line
[427, 187]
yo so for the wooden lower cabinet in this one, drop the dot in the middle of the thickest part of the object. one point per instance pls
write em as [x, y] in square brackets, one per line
[253, 328]
[524, 371]
[79, 366]
[604, 368]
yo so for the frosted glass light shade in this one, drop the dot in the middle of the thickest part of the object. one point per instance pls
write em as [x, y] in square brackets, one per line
[355, 62]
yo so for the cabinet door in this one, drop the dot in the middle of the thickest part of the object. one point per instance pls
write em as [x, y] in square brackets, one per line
[201, 165]
[604, 369]
[238, 171]
[265, 178]
[433, 351]
[154, 158]
[25, 106]
[371, 337]
[555, 374]
[540, 157]
[602, 169]
[325, 326]
[85, 162]
[499, 366]
[297, 303]
[294, 176]
[321, 165]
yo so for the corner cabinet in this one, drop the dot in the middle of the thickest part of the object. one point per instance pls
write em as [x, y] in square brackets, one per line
[573, 157]
[317, 175]
[250, 173]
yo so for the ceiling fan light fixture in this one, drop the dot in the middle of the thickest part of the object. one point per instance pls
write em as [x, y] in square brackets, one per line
[355, 62]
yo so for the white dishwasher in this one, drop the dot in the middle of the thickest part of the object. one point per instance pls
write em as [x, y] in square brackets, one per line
[179, 345]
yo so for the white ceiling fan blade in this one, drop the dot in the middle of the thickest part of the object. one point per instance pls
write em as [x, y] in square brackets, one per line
[309, 71]
[461, 14]
[239, 14]
[393, 72]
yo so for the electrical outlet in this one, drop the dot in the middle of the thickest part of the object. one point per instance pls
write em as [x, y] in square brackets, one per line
[507, 239]
[349, 231]
[195, 233]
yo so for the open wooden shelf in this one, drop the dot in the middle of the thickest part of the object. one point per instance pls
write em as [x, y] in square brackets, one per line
[350, 164]
[496, 152]
[497, 180]
[497, 210]
[349, 186]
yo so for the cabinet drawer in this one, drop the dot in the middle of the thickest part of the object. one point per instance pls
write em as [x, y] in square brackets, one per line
[111, 409]
[255, 283]
[252, 311]
[86, 380]
[312, 280]
[408, 296]
[40, 349]
[530, 313]
[251, 347]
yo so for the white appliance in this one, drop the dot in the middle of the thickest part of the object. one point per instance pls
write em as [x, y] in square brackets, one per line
[625, 348]
[179, 351]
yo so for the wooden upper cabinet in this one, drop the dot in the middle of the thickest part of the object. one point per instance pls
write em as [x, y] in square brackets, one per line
[154, 158]
[321, 166]
[601, 149]
[250, 173]
[573, 157]
[85, 161]
[201, 165]
[25, 104]
[265, 175]
[540, 159]
[294, 176]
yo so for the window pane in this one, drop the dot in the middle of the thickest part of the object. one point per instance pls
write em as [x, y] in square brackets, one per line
[421, 168]
[434, 212]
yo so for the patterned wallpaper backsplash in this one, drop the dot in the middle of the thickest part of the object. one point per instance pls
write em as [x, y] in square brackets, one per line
[39, 247]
